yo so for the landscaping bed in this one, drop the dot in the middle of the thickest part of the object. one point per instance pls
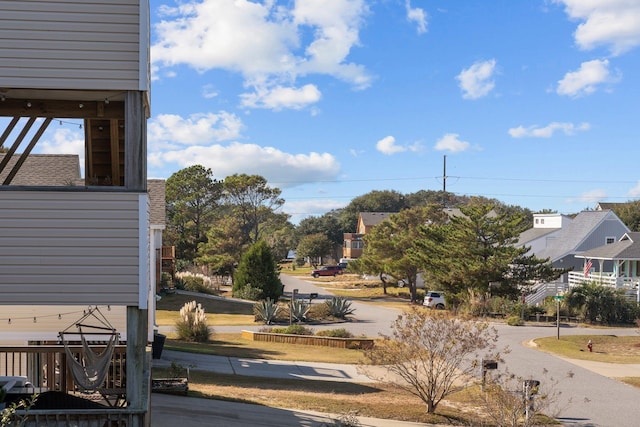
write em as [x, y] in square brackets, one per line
[349, 343]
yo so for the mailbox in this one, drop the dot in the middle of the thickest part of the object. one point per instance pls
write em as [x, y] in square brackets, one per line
[489, 364]
[313, 295]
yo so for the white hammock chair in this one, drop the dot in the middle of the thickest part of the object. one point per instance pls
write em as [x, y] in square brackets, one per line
[90, 369]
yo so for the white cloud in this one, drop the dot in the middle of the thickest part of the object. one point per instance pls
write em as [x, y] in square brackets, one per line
[279, 168]
[548, 131]
[65, 141]
[209, 91]
[388, 146]
[277, 98]
[170, 129]
[477, 80]
[451, 142]
[417, 15]
[586, 80]
[265, 42]
[612, 23]
[591, 196]
[305, 208]
[635, 191]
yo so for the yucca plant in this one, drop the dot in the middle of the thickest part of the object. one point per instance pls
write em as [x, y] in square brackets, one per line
[266, 310]
[299, 310]
[339, 307]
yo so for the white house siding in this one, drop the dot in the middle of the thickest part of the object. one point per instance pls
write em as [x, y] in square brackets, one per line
[71, 248]
[74, 44]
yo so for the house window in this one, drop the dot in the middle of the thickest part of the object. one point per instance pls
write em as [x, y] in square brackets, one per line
[537, 220]
[357, 244]
[610, 240]
[541, 220]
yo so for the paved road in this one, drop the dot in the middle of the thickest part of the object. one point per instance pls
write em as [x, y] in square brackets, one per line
[589, 399]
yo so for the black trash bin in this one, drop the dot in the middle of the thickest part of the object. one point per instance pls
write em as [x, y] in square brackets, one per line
[157, 345]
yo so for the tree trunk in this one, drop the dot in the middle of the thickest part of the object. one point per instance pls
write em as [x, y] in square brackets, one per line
[384, 284]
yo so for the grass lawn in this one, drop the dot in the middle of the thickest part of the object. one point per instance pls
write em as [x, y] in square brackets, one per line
[371, 400]
[606, 348]
[234, 345]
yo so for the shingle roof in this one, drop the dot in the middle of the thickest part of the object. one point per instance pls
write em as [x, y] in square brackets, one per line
[64, 170]
[370, 219]
[157, 202]
[533, 234]
[571, 236]
[627, 248]
[45, 170]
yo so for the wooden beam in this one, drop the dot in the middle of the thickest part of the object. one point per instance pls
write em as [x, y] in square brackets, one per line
[135, 142]
[56, 109]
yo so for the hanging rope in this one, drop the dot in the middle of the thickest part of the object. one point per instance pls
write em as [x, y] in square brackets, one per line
[90, 369]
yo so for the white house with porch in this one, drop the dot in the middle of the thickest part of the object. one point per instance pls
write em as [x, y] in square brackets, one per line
[616, 265]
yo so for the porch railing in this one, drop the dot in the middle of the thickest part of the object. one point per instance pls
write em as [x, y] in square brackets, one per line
[603, 278]
[45, 367]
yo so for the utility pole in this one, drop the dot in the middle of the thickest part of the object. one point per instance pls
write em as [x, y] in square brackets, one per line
[444, 181]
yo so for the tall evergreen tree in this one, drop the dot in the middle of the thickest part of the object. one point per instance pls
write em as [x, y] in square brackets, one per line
[259, 271]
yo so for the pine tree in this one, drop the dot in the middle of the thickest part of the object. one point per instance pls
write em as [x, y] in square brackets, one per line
[258, 274]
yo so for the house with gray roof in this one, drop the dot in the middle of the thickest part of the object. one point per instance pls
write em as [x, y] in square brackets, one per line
[560, 238]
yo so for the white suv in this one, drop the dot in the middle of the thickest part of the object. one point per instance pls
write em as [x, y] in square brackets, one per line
[434, 299]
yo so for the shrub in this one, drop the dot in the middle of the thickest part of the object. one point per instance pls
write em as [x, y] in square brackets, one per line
[248, 292]
[318, 312]
[195, 284]
[299, 310]
[192, 325]
[266, 310]
[293, 330]
[335, 333]
[514, 321]
[179, 283]
[339, 307]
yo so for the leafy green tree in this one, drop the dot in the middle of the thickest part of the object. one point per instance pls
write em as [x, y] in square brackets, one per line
[280, 235]
[251, 199]
[258, 270]
[192, 198]
[629, 213]
[386, 247]
[327, 224]
[314, 247]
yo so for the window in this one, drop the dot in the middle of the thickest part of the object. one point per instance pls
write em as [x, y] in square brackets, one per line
[610, 240]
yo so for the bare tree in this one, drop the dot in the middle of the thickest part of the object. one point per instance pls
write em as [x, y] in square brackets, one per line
[431, 355]
[510, 400]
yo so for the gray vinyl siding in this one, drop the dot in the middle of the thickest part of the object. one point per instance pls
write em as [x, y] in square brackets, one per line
[70, 248]
[608, 228]
[74, 44]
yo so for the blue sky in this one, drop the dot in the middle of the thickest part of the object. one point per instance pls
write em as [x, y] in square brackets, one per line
[533, 102]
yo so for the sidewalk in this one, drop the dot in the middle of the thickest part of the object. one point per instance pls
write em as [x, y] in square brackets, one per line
[171, 410]
[262, 367]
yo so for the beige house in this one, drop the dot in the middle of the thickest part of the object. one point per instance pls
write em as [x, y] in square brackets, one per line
[67, 244]
[353, 243]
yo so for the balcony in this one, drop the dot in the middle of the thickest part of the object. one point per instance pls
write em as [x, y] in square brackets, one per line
[60, 401]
